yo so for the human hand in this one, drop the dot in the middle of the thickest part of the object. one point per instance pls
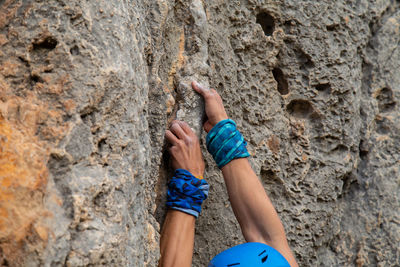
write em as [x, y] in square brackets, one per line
[185, 150]
[214, 107]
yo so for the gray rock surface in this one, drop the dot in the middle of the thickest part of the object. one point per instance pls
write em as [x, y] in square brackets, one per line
[87, 89]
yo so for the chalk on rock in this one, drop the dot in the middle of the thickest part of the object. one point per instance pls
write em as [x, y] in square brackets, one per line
[190, 106]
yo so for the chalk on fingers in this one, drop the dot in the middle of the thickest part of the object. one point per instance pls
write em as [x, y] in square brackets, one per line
[199, 86]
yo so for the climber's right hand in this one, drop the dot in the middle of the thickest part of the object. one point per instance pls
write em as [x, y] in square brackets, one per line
[185, 148]
[215, 110]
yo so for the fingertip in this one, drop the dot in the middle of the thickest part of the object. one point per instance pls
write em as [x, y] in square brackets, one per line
[200, 88]
[174, 122]
[186, 127]
[195, 84]
[196, 87]
[182, 123]
[168, 134]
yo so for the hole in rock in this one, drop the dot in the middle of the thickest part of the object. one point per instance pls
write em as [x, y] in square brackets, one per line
[300, 108]
[268, 175]
[74, 50]
[383, 126]
[348, 179]
[24, 60]
[305, 60]
[47, 43]
[363, 154]
[323, 87]
[385, 99]
[362, 150]
[283, 87]
[100, 199]
[36, 78]
[267, 23]
[332, 27]
[289, 26]
[340, 149]
[101, 144]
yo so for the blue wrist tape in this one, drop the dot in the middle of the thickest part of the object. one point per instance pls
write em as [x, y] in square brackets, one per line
[225, 143]
[186, 193]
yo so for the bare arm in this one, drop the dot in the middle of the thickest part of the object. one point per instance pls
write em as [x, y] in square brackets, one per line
[177, 236]
[177, 239]
[253, 209]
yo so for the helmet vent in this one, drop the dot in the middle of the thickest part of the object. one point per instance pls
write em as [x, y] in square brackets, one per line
[264, 259]
[233, 264]
[262, 253]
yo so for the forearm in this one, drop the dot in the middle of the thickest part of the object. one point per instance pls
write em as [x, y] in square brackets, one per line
[253, 209]
[251, 205]
[177, 239]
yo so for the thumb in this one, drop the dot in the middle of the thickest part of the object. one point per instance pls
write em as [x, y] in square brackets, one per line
[207, 126]
[200, 89]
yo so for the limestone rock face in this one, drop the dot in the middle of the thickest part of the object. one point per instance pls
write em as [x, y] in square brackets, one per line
[87, 89]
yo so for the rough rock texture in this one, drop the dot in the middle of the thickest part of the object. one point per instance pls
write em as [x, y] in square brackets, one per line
[87, 89]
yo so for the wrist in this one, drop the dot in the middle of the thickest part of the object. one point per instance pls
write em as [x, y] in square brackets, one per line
[186, 193]
[219, 119]
[198, 173]
[225, 143]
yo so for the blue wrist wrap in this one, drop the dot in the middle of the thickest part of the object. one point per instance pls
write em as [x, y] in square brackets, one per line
[225, 143]
[186, 192]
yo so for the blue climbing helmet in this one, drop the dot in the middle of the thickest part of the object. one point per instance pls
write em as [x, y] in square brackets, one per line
[249, 255]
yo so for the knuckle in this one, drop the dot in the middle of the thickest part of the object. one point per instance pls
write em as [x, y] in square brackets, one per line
[208, 95]
[180, 143]
[189, 140]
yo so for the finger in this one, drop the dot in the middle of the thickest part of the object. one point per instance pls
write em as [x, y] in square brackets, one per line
[177, 130]
[186, 127]
[200, 89]
[171, 137]
[172, 150]
[207, 126]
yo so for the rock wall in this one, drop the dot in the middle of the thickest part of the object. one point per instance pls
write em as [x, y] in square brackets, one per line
[87, 89]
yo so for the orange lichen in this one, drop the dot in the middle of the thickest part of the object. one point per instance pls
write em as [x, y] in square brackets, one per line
[8, 10]
[22, 169]
[273, 144]
[3, 39]
[28, 128]
[69, 105]
[4, 87]
[9, 68]
[180, 60]
[42, 232]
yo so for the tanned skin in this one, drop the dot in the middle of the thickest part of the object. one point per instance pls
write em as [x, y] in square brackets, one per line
[253, 209]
